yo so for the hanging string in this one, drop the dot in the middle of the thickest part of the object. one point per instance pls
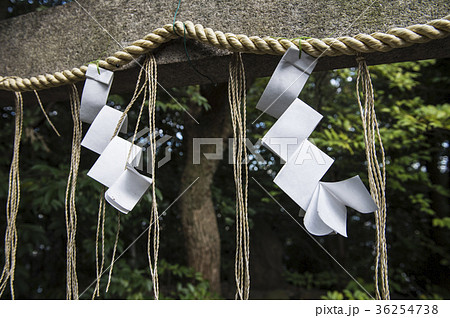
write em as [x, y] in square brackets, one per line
[70, 209]
[376, 173]
[139, 89]
[237, 100]
[45, 114]
[153, 232]
[136, 94]
[113, 258]
[100, 228]
[12, 204]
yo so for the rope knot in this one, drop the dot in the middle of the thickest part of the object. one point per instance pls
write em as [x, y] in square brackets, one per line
[360, 58]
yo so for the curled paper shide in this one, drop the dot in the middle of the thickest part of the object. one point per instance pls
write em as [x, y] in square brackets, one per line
[128, 189]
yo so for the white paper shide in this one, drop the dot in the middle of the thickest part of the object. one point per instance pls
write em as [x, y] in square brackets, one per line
[115, 167]
[102, 129]
[95, 92]
[325, 203]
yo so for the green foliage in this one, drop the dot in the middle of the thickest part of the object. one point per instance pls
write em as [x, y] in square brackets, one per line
[352, 292]
[444, 222]
[190, 284]
[182, 98]
[322, 280]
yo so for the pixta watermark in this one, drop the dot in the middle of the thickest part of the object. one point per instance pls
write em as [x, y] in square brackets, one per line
[296, 151]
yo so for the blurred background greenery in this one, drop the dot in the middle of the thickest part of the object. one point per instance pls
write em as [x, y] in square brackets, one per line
[412, 102]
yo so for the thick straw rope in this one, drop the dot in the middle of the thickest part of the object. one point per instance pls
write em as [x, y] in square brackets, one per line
[12, 204]
[377, 174]
[70, 209]
[236, 96]
[345, 45]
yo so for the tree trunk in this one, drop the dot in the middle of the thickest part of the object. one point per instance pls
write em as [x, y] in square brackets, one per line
[198, 216]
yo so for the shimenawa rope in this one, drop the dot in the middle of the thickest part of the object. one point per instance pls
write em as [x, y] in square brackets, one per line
[377, 174]
[345, 45]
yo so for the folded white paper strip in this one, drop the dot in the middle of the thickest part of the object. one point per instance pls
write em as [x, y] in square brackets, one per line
[95, 92]
[291, 129]
[286, 82]
[327, 210]
[324, 202]
[112, 162]
[102, 129]
[301, 174]
[128, 189]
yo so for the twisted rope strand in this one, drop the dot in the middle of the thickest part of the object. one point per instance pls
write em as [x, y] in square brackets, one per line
[100, 227]
[70, 209]
[139, 89]
[12, 204]
[236, 95]
[376, 174]
[113, 258]
[362, 43]
[151, 72]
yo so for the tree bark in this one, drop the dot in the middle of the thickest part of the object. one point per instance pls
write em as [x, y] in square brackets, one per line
[198, 216]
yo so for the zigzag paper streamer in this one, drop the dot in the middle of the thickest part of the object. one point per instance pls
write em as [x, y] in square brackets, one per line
[102, 129]
[324, 202]
[95, 92]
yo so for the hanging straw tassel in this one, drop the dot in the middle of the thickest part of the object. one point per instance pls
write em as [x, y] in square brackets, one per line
[153, 231]
[377, 174]
[70, 209]
[100, 228]
[236, 96]
[12, 205]
[149, 85]
[137, 93]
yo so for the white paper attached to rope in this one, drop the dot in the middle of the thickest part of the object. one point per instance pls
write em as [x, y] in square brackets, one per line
[95, 92]
[301, 174]
[128, 189]
[113, 160]
[286, 82]
[324, 202]
[327, 212]
[295, 125]
[102, 129]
